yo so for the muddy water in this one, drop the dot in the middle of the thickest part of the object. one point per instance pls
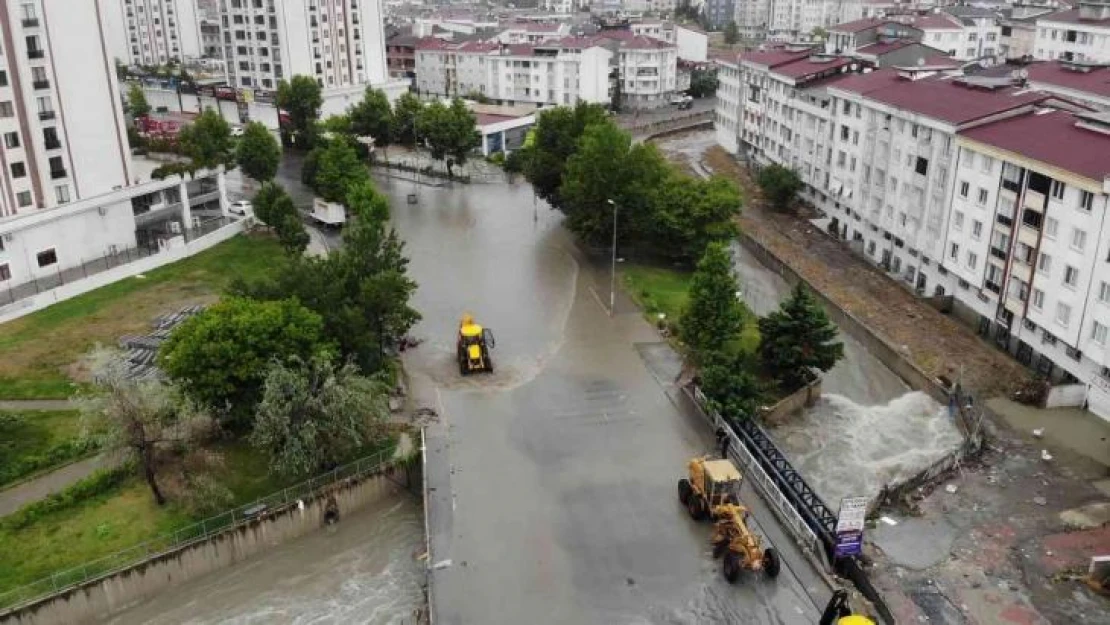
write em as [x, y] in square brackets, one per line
[363, 570]
[869, 428]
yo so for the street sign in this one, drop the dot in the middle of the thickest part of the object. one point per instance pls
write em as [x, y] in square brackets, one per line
[849, 526]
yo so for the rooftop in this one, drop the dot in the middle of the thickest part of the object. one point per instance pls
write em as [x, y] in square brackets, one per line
[883, 47]
[774, 57]
[937, 97]
[1052, 138]
[858, 25]
[811, 66]
[1096, 81]
[1072, 17]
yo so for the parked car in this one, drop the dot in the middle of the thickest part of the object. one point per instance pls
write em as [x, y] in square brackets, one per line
[241, 208]
[237, 131]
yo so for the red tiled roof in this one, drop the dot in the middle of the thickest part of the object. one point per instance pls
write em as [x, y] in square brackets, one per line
[858, 25]
[935, 97]
[806, 67]
[431, 43]
[1072, 17]
[882, 47]
[936, 21]
[773, 58]
[632, 41]
[485, 119]
[732, 58]
[1051, 138]
[1096, 81]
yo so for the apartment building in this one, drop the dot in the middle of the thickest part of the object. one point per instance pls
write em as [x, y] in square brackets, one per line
[692, 43]
[1081, 33]
[60, 115]
[726, 123]
[982, 32]
[751, 18]
[532, 32]
[341, 43]
[1078, 81]
[718, 13]
[156, 32]
[1031, 206]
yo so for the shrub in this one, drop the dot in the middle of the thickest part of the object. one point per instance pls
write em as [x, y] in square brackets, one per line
[98, 483]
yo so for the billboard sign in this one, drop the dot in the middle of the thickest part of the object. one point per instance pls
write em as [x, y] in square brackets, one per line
[849, 526]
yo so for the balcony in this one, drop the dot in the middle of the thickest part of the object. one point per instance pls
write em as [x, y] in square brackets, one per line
[41, 84]
[1005, 220]
[30, 22]
[53, 144]
[57, 173]
[998, 252]
[36, 54]
[45, 115]
[993, 287]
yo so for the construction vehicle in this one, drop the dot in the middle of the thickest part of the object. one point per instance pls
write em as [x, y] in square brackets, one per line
[838, 612]
[739, 546]
[711, 483]
[472, 349]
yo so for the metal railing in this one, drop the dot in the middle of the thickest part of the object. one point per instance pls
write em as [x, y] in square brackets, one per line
[784, 509]
[189, 534]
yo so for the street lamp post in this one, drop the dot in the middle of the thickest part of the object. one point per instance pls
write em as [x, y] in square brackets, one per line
[613, 263]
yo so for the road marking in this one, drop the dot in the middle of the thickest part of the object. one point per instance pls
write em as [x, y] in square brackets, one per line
[597, 298]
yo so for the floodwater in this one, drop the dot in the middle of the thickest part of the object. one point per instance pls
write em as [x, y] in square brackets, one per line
[364, 569]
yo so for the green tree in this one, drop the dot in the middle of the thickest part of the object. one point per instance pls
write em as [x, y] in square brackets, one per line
[703, 83]
[258, 153]
[819, 34]
[291, 234]
[732, 33]
[365, 202]
[714, 313]
[311, 166]
[207, 141]
[338, 125]
[300, 98]
[450, 132]
[405, 115]
[728, 383]
[477, 96]
[373, 117]
[264, 201]
[136, 101]
[314, 415]
[798, 338]
[553, 141]
[689, 213]
[780, 185]
[338, 169]
[139, 418]
[219, 356]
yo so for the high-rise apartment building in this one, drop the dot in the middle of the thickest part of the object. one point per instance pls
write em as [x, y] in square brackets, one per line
[340, 43]
[153, 32]
[61, 120]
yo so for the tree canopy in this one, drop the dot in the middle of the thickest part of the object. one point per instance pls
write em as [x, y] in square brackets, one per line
[338, 169]
[136, 101]
[732, 33]
[450, 132]
[314, 414]
[714, 314]
[301, 99]
[797, 338]
[220, 355]
[554, 140]
[258, 153]
[405, 115]
[207, 141]
[780, 185]
[373, 117]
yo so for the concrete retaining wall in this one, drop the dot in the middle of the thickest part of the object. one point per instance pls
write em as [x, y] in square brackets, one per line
[793, 403]
[1066, 395]
[100, 598]
[39, 301]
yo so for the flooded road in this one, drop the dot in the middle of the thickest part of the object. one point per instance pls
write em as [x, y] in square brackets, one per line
[361, 570]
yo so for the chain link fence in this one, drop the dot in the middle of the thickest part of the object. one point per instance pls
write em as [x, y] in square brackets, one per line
[196, 532]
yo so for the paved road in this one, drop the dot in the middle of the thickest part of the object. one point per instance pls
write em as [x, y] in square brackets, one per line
[552, 482]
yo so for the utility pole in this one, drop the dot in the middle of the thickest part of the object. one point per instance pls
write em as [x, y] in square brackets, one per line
[613, 263]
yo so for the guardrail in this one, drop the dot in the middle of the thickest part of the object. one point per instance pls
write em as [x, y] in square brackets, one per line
[239, 515]
[805, 538]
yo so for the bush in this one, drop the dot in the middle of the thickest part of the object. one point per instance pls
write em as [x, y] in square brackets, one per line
[98, 483]
[69, 450]
[497, 158]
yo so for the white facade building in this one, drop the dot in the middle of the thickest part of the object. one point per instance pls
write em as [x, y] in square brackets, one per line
[60, 115]
[532, 32]
[1080, 34]
[726, 120]
[153, 32]
[340, 44]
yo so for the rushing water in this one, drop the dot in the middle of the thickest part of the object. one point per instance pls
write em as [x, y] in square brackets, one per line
[362, 570]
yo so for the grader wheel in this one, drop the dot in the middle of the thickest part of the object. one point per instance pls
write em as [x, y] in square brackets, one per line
[697, 507]
[684, 490]
[771, 563]
[731, 567]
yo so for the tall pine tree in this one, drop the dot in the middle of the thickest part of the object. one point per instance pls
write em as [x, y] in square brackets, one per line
[713, 314]
[798, 338]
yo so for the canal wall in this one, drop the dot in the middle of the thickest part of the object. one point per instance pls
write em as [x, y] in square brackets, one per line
[104, 596]
[793, 403]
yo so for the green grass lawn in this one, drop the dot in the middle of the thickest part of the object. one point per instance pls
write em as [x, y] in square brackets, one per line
[663, 290]
[38, 352]
[34, 441]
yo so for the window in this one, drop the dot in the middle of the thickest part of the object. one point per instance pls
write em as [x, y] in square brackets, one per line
[977, 229]
[47, 258]
[19, 170]
[959, 224]
[1044, 263]
[1063, 314]
[954, 252]
[61, 193]
[1104, 292]
[1078, 239]
[1086, 200]
[6, 109]
[1057, 189]
[1098, 333]
[3, 79]
[986, 163]
[1038, 299]
[922, 166]
[965, 188]
[1050, 225]
[972, 260]
[1071, 276]
[24, 198]
[5, 273]
[982, 201]
[11, 140]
